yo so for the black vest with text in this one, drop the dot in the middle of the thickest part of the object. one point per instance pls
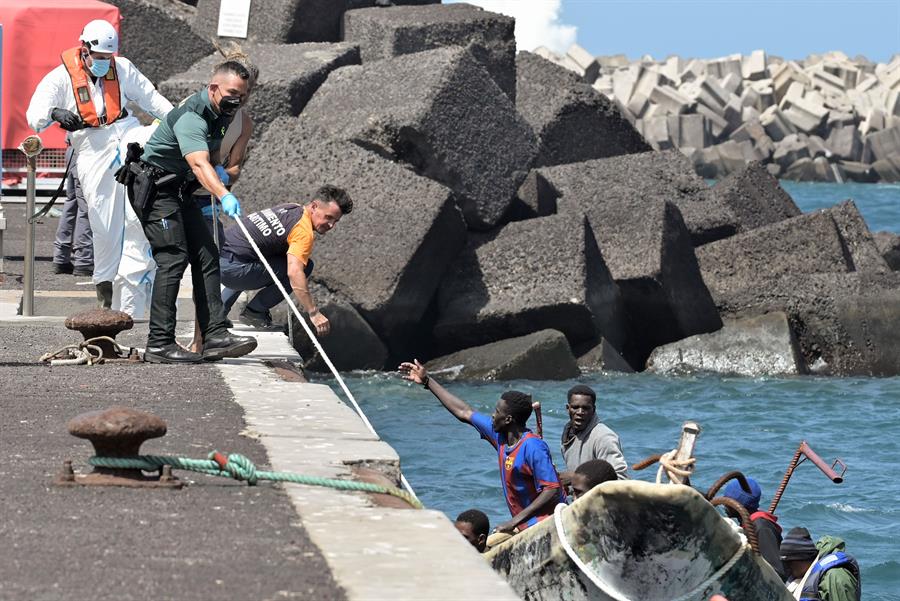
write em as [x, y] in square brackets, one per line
[269, 228]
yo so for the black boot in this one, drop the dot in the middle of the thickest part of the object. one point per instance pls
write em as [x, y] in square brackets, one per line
[104, 295]
[229, 345]
[170, 353]
[62, 268]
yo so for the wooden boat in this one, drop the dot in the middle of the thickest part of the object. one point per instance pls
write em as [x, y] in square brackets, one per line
[635, 541]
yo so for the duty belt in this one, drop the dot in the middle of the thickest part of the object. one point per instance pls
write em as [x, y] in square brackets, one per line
[160, 176]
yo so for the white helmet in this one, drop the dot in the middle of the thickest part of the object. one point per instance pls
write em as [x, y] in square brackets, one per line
[100, 36]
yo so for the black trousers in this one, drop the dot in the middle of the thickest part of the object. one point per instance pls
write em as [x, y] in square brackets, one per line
[179, 236]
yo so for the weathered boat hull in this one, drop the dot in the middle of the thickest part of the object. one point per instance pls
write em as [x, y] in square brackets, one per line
[642, 542]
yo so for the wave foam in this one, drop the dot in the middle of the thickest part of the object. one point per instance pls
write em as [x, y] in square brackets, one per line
[847, 508]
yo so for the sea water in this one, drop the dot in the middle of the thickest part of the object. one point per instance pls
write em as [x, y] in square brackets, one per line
[749, 424]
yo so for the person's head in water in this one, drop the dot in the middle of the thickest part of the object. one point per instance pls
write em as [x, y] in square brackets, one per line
[327, 207]
[581, 405]
[798, 552]
[591, 473]
[475, 527]
[229, 87]
[750, 500]
[512, 411]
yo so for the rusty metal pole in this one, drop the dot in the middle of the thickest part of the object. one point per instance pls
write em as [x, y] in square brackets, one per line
[804, 452]
[31, 147]
[784, 481]
[819, 463]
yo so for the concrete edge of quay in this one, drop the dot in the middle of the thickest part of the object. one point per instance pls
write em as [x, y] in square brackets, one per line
[374, 552]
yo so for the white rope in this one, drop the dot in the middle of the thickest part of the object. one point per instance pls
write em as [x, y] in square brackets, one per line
[615, 594]
[672, 467]
[78, 354]
[315, 342]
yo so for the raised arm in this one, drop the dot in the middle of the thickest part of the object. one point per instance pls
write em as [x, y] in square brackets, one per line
[415, 372]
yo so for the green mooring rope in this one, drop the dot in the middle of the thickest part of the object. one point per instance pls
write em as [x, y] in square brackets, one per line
[241, 468]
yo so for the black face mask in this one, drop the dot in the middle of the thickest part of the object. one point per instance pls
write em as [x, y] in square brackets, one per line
[229, 105]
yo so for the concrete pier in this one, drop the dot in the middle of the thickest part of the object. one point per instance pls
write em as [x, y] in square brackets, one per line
[216, 538]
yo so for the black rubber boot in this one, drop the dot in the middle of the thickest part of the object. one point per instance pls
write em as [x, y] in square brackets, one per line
[104, 295]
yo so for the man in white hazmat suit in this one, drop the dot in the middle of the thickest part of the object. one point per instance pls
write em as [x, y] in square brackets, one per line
[86, 95]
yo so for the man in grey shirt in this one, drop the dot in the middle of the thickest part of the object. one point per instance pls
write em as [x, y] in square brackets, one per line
[585, 438]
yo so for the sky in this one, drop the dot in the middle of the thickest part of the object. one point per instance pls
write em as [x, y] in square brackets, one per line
[791, 29]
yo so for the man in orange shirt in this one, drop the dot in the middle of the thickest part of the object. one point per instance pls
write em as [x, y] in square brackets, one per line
[285, 235]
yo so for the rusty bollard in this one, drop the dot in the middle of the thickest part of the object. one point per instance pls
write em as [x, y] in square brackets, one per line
[117, 432]
[101, 322]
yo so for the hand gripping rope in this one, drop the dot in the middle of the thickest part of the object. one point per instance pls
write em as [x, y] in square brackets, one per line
[315, 341]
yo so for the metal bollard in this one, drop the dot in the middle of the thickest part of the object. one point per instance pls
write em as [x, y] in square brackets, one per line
[117, 432]
[31, 147]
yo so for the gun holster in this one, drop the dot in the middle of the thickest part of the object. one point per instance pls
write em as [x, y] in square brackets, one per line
[141, 191]
[127, 172]
[139, 182]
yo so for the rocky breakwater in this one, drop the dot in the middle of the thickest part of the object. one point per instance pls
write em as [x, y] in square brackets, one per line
[482, 242]
[825, 118]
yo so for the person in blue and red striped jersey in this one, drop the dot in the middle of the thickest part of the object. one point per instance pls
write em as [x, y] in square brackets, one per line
[529, 479]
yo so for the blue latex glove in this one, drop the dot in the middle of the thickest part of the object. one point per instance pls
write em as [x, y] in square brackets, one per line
[223, 175]
[230, 205]
[207, 210]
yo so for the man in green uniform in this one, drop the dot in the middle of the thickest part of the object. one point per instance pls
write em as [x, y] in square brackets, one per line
[179, 155]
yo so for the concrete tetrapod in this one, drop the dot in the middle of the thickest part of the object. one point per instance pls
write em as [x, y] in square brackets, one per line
[646, 246]
[352, 344]
[542, 355]
[800, 245]
[827, 315]
[545, 273]
[573, 122]
[634, 179]
[289, 75]
[139, 37]
[755, 197]
[870, 321]
[752, 346]
[440, 112]
[388, 32]
[888, 244]
[859, 244]
[833, 240]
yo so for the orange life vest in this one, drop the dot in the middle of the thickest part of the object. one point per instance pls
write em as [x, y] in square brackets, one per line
[71, 58]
